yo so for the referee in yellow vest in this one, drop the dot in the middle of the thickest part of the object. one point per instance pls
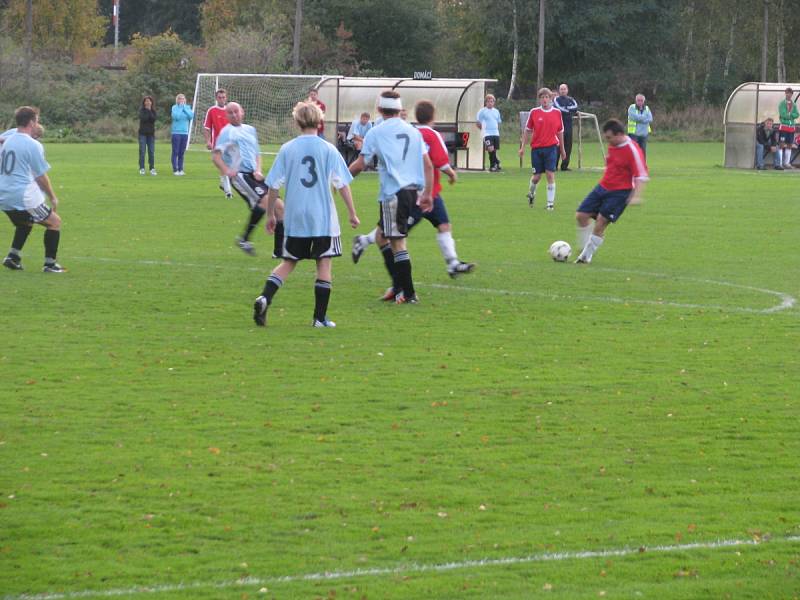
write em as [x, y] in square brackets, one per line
[639, 119]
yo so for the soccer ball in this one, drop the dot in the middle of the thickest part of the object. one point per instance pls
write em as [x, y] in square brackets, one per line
[560, 251]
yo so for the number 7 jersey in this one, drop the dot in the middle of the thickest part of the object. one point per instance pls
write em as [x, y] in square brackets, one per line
[399, 148]
[308, 166]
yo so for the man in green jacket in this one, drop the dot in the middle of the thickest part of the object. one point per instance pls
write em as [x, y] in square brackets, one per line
[787, 111]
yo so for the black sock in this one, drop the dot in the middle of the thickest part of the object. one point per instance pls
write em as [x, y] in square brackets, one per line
[271, 287]
[21, 234]
[388, 259]
[492, 159]
[256, 215]
[278, 247]
[322, 294]
[51, 238]
[402, 267]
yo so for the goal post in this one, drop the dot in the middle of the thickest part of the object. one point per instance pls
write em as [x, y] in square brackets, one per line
[267, 100]
[587, 141]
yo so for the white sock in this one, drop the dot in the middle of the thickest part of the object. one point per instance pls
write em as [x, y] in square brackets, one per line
[532, 188]
[551, 193]
[583, 236]
[226, 184]
[787, 156]
[370, 237]
[595, 241]
[448, 246]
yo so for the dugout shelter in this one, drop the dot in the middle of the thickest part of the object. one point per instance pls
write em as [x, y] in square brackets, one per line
[268, 101]
[748, 105]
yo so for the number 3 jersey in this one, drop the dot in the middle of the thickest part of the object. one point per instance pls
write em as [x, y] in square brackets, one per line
[399, 148]
[21, 161]
[308, 166]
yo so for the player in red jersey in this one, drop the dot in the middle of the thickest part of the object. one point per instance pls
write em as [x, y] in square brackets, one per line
[622, 184]
[547, 144]
[313, 96]
[215, 121]
[438, 217]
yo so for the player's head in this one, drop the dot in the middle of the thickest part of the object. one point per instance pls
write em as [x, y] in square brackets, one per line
[235, 113]
[313, 94]
[364, 118]
[38, 131]
[148, 102]
[389, 104]
[307, 115]
[545, 96]
[180, 99]
[221, 96]
[25, 115]
[614, 132]
[789, 93]
[563, 89]
[489, 101]
[424, 112]
[640, 100]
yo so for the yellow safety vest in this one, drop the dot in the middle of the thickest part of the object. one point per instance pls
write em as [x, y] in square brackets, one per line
[632, 124]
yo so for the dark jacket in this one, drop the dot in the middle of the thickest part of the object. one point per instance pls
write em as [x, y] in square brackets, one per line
[766, 137]
[147, 121]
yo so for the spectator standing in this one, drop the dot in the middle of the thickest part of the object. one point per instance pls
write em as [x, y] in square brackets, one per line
[147, 134]
[569, 108]
[767, 141]
[182, 117]
[787, 111]
[639, 119]
[488, 121]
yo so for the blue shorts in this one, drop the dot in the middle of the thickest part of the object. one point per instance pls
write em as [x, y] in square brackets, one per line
[786, 137]
[544, 159]
[609, 203]
[438, 216]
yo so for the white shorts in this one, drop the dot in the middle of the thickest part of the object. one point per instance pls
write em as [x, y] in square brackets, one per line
[33, 196]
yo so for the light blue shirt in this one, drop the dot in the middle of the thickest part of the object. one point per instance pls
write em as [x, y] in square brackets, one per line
[239, 147]
[490, 120]
[21, 162]
[642, 119]
[399, 148]
[7, 134]
[308, 166]
[182, 116]
[356, 128]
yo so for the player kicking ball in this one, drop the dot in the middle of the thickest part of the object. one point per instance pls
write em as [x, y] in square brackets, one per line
[622, 184]
[238, 156]
[23, 186]
[438, 217]
[308, 166]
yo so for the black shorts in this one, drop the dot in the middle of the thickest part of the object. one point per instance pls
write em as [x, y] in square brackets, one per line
[249, 188]
[491, 141]
[395, 216]
[29, 217]
[298, 248]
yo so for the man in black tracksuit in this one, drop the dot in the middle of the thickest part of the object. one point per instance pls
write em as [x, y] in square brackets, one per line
[569, 108]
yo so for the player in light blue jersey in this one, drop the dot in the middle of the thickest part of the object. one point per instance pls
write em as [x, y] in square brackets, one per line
[307, 167]
[23, 186]
[488, 121]
[406, 180]
[237, 155]
[7, 134]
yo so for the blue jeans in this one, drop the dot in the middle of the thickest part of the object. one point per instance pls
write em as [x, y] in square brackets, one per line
[148, 141]
[179, 141]
[761, 150]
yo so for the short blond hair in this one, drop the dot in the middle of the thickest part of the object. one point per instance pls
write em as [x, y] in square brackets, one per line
[307, 115]
[486, 98]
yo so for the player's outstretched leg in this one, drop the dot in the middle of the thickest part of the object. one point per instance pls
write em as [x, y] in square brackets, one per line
[361, 243]
[447, 246]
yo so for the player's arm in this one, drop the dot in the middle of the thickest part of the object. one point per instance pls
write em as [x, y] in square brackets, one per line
[638, 189]
[271, 204]
[524, 140]
[347, 198]
[216, 158]
[43, 181]
[357, 165]
[561, 145]
[257, 174]
[425, 201]
[450, 172]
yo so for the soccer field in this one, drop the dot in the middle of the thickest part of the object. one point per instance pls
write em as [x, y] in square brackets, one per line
[625, 429]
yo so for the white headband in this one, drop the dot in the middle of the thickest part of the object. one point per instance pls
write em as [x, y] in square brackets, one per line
[390, 103]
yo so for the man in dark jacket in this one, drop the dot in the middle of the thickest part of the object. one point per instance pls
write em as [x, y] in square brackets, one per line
[569, 108]
[767, 141]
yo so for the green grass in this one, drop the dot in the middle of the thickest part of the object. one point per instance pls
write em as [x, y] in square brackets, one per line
[150, 435]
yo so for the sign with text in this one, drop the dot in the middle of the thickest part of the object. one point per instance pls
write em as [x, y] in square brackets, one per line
[423, 75]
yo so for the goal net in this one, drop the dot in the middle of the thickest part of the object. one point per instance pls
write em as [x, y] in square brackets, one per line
[267, 101]
[588, 149]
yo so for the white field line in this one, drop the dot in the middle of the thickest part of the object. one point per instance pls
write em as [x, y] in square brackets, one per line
[409, 568]
[786, 300]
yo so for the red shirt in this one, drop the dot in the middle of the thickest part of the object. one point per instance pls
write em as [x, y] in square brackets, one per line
[624, 163]
[215, 121]
[545, 125]
[437, 152]
[322, 107]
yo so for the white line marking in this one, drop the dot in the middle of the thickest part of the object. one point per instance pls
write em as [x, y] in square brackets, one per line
[400, 569]
[786, 300]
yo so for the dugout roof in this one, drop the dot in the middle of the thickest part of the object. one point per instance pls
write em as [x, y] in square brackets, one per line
[748, 105]
[457, 103]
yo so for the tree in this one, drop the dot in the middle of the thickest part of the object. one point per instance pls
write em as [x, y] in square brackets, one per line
[152, 17]
[161, 66]
[58, 26]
